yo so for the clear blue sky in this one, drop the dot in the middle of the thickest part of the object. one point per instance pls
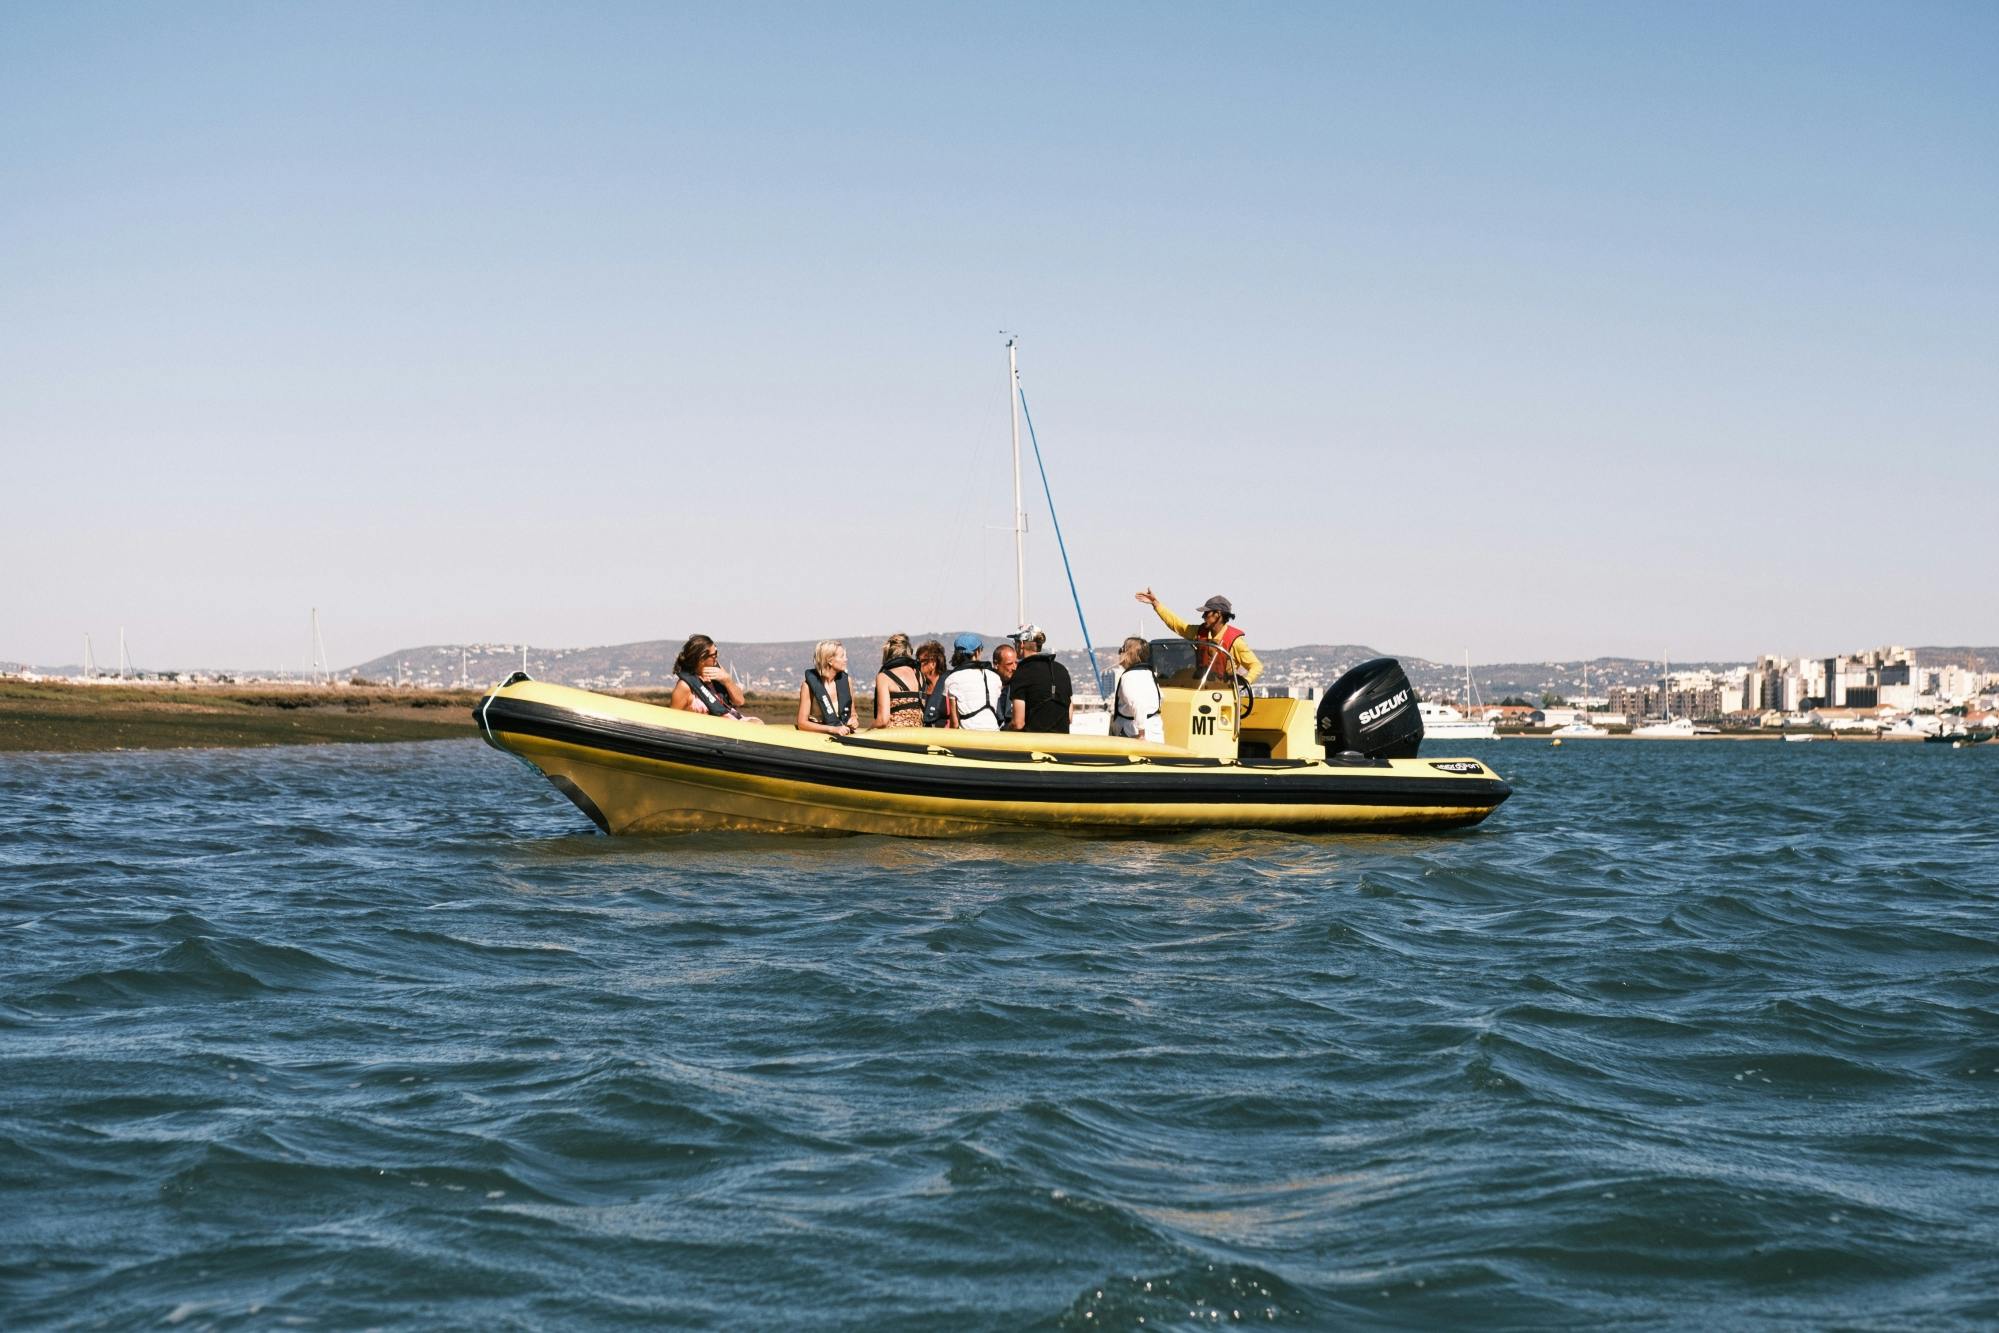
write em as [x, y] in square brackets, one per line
[1535, 329]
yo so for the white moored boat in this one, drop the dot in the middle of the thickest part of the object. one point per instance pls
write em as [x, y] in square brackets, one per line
[1443, 722]
[1582, 728]
[1446, 723]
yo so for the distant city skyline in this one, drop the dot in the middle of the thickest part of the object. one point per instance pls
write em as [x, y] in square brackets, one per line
[423, 660]
[1543, 331]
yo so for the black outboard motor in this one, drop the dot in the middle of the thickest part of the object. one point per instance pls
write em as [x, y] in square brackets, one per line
[1371, 712]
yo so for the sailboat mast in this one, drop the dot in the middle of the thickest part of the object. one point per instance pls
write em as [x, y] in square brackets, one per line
[321, 668]
[1019, 512]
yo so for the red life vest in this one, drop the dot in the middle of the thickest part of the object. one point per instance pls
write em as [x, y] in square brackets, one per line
[1216, 659]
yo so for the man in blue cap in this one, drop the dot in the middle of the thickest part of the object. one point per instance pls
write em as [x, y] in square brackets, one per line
[972, 689]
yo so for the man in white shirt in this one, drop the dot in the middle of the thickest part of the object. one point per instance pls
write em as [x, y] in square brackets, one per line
[972, 689]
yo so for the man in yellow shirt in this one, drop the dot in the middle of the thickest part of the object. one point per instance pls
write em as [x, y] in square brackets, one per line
[1222, 648]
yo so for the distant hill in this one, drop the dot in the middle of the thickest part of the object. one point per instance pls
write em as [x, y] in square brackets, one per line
[1972, 659]
[777, 667]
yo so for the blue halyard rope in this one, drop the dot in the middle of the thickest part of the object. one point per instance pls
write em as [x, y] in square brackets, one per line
[1060, 545]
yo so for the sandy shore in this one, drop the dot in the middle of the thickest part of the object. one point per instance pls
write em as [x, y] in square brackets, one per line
[55, 716]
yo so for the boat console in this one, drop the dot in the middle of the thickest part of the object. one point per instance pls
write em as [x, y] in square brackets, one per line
[1200, 711]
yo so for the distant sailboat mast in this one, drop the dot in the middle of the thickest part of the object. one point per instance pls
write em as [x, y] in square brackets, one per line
[89, 661]
[124, 662]
[1019, 510]
[321, 669]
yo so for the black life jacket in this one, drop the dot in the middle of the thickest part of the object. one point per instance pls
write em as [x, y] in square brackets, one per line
[823, 702]
[711, 698]
[935, 713]
[1041, 683]
[900, 698]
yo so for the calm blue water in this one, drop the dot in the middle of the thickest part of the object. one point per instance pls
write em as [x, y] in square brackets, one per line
[1686, 1034]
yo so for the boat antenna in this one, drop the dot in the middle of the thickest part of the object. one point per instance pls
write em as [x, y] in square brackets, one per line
[1019, 511]
[1060, 545]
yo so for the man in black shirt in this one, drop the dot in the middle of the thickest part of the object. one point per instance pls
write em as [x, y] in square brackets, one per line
[1040, 687]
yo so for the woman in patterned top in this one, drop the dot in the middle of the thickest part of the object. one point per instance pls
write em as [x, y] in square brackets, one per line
[898, 686]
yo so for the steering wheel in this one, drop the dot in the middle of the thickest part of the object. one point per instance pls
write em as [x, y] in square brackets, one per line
[1244, 700]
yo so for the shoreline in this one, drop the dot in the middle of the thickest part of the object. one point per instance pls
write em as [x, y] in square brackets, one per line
[1843, 738]
[58, 717]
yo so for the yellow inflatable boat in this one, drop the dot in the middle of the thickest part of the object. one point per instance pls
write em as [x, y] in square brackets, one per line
[1228, 761]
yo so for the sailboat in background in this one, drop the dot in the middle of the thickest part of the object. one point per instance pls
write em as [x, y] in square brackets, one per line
[1669, 728]
[1443, 722]
[1581, 728]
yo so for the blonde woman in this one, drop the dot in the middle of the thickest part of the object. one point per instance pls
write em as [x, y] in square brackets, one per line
[1135, 698]
[898, 686]
[826, 698]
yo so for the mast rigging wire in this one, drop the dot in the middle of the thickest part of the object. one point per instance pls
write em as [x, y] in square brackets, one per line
[1061, 545]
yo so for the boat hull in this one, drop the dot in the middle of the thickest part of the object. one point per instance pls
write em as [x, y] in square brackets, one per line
[638, 768]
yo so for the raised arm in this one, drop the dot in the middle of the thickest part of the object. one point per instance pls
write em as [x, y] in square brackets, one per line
[726, 683]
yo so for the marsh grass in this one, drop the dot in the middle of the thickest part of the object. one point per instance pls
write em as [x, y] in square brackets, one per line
[61, 717]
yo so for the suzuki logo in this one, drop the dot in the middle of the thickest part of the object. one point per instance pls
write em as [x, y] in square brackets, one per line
[1384, 708]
